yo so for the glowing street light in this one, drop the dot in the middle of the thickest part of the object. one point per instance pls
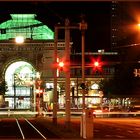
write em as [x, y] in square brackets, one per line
[138, 24]
[19, 39]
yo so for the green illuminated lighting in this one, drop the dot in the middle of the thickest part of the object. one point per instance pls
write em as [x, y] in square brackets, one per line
[25, 25]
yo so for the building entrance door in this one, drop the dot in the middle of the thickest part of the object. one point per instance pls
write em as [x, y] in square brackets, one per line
[20, 77]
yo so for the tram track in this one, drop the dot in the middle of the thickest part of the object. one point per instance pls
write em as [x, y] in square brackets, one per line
[28, 130]
[23, 128]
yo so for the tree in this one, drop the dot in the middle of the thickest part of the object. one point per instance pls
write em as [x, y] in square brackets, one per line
[3, 87]
[122, 84]
[108, 87]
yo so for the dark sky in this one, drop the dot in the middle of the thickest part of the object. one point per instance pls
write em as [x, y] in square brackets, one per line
[97, 16]
[129, 17]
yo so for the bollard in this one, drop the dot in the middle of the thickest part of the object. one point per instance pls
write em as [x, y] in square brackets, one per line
[8, 112]
[86, 127]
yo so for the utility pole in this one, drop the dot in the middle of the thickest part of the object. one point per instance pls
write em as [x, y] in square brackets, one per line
[67, 28]
[55, 100]
[83, 27]
[67, 73]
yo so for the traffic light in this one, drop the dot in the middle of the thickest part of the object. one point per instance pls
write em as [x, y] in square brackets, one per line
[61, 65]
[39, 93]
[97, 64]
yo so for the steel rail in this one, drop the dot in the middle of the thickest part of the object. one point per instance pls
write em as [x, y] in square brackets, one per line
[23, 137]
[35, 129]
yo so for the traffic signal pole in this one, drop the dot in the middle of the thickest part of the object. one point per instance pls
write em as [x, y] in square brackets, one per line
[83, 27]
[67, 73]
[55, 100]
[83, 66]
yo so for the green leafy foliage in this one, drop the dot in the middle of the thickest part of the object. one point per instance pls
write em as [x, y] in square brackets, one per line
[3, 87]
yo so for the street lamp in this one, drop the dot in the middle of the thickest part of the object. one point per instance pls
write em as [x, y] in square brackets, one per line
[138, 24]
[19, 39]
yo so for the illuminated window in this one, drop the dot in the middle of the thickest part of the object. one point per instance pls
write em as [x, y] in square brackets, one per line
[21, 74]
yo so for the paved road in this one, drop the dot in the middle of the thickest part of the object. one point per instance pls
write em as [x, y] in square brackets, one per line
[110, 128]
[12, 128]
[104, 128]
[117, 128]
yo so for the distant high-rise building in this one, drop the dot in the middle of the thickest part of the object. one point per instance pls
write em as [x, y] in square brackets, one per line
[114, 24]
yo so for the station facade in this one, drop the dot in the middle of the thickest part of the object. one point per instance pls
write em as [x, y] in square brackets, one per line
[20, 64]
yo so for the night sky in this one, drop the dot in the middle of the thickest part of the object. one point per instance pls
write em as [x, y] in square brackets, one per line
[97, 16]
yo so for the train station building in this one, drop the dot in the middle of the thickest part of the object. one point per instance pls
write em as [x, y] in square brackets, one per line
[24, 66]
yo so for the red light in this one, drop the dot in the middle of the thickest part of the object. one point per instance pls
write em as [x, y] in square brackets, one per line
[61, 64]
[96, 64]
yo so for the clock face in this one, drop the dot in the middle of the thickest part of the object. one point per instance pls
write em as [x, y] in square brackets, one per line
[19, 80]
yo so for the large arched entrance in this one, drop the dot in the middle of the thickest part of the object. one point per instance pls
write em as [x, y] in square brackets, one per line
[20, 78]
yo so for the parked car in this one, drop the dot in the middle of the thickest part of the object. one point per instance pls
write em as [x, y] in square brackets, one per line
[98, 110]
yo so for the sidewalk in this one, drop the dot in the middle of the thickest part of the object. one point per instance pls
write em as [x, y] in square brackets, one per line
[60, 129]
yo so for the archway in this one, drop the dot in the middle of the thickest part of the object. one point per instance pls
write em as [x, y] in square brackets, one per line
[20, 78]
